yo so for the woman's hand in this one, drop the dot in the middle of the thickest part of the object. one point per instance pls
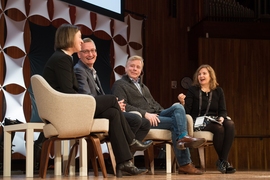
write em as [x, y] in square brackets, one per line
[181, 98]
[221, 119]
[122, 105]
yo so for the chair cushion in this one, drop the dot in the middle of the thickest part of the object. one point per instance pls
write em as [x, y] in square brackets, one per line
[159, 134]
[203, 134]
[100, 125]
[100, 128]
[49, 131]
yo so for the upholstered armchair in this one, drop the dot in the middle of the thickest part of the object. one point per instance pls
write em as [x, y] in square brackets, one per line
[67, 117]
[160, 137]
[200, 134]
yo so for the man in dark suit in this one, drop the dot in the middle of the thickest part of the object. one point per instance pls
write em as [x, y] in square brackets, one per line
[59, 73]
[89, 83]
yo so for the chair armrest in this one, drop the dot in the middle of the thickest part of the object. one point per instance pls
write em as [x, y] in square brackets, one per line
[136, 112]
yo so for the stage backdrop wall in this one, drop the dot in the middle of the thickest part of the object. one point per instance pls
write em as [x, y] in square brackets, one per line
[26, 42]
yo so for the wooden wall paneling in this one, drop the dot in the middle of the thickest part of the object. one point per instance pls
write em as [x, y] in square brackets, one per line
[242, 67]
[239, 74]
[166, 53]
[251, 154]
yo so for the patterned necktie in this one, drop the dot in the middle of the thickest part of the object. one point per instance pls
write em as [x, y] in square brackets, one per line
[94, 73]
[137, 84]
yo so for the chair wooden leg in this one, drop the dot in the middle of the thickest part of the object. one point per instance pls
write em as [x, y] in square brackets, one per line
[146, 158]
[83, 157]
[92, 156]
[173, 160]
[112, 157]
[202, 157]
[149, 159]
[98, 152]
[44, 159]
[74, 147]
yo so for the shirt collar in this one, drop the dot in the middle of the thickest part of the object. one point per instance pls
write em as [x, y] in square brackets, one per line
[135, 81]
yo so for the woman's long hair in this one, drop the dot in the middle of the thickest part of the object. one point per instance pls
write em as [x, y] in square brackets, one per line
[213, 79]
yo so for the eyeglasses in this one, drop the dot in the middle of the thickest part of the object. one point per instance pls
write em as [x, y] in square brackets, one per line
[86, 51]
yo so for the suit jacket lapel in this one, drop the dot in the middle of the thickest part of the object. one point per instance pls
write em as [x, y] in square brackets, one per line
[99, 85]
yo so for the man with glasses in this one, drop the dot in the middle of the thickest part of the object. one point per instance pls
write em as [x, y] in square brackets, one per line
[89, 83]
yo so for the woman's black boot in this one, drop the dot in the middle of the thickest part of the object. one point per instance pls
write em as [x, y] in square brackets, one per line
[221, 166]
[229, 168]
[225, 167]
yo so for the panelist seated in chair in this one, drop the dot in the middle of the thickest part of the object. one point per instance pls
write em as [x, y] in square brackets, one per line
[89, 83]
[59, 73]
[138, 98]
[206, 98]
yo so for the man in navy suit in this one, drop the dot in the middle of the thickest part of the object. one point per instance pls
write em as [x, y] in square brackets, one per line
[89, 83]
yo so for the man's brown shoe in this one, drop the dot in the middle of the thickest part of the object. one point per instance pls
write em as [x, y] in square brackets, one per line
[189, 142]
[189, 169]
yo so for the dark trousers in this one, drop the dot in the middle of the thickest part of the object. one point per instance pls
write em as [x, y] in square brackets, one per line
[223, 137]
[139, 126]
[120, 133]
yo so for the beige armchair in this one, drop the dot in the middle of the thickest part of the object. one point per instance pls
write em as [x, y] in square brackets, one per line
[160, 137]
[66, 117]
[200, 134]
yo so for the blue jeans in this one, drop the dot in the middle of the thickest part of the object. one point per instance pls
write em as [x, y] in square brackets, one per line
[174, 119]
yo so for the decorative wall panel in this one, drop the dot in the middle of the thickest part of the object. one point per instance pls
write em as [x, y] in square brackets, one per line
[39, 8]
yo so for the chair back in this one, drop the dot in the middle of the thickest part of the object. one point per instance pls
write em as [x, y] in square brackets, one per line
[64, 115]
[190, 128]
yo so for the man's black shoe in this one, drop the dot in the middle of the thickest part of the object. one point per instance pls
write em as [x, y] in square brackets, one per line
[137, 145]
[128, 167]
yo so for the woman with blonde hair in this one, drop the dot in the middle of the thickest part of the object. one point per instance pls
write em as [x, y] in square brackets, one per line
[206, 98]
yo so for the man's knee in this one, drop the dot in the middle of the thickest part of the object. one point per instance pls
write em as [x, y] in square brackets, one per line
[146, 123]
[179, 107]
[133, 119]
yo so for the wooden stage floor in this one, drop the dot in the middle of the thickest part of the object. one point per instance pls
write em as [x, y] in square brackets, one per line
[160, 175]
